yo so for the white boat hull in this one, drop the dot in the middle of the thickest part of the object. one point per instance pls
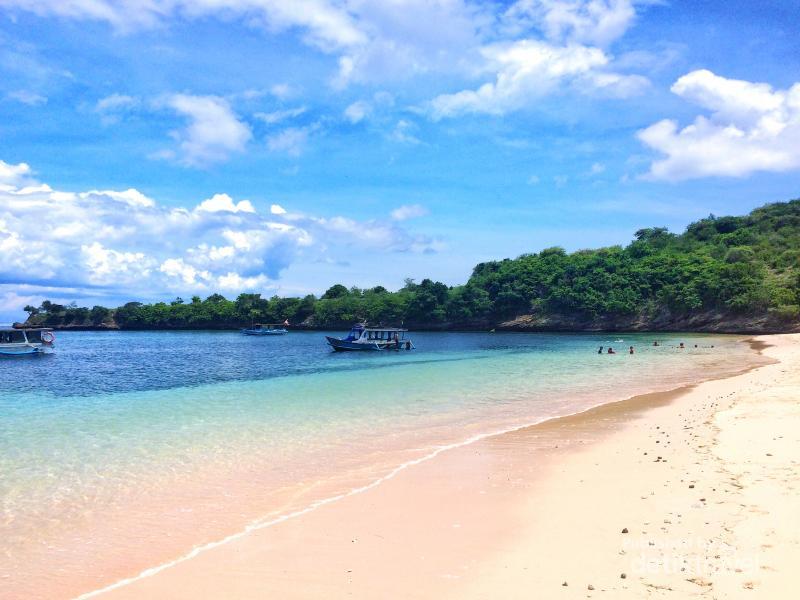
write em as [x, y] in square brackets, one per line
[25, 349]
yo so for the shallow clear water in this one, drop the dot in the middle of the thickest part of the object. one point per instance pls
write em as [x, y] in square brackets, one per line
[156, 441]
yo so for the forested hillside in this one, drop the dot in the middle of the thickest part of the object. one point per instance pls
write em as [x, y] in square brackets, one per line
[721, 274]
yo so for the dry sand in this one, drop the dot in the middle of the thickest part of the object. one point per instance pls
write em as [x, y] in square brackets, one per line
[690, 494]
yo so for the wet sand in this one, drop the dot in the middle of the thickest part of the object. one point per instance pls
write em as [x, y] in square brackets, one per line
[689, 493]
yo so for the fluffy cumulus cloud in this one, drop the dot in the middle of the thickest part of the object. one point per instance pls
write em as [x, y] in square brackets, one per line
[127, 243]
[529, 69]
[546, 47]
[14, 176]
[213, 131]
[750, 127]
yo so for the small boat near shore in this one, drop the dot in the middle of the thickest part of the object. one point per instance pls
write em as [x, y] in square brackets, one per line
[261, 329]
[371, 339]
[26, 341]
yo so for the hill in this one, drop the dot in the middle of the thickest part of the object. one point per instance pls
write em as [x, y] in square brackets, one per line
[721, 274]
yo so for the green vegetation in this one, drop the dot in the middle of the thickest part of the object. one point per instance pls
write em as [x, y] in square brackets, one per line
[721, 269]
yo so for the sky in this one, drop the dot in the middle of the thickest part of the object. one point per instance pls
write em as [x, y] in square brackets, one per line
[159, 148]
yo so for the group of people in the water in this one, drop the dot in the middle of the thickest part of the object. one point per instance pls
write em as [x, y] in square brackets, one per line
[610, 350]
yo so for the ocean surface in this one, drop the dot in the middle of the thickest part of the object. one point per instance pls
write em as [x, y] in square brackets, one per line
[124, 450]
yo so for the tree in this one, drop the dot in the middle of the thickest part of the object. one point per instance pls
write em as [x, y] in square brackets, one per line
[335, 291]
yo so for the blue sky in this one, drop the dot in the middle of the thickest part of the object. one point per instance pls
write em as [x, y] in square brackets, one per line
[168, 147]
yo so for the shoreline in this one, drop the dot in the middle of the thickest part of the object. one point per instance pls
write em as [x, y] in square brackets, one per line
[630, 407]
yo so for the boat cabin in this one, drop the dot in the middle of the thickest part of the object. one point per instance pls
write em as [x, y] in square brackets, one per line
[362, 337]
[20, 341]
[360, 333]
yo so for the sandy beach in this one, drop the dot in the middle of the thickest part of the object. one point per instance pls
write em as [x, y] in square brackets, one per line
[692, 493]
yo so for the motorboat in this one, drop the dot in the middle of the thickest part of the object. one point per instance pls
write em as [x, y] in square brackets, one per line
[260, 329]
[371, 339]
[26, 341]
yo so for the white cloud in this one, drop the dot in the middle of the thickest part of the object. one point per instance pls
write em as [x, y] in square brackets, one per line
[27, 97]
[533, 180]
[224, 203]
[324, 24]
[596, 169]
[596, 22]
[374, 40]
[177, 269]
[282, 91]
[405, 38]
[126, 243]
[408, 211]
[392, 40]
[213, 133]
[13, 176]
[104, 264]
[131, 197]
[116, 102]
[292, 140]
[751, 127]
[357, 111]
[14, 302]
[112, 107]
[403, 132]
[280, 115]
[529, 69]
[235, 282]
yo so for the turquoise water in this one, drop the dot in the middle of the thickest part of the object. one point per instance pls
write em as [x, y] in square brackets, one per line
[156, 441]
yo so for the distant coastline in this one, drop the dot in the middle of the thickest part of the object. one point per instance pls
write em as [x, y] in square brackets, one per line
[722, 275]
[522, 324]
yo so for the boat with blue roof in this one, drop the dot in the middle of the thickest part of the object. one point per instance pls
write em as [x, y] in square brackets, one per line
[371, 339]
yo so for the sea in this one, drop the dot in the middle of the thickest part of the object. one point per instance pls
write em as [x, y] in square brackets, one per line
[123, 451]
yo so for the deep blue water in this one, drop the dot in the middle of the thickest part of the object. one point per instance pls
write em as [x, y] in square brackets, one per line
[89, 363]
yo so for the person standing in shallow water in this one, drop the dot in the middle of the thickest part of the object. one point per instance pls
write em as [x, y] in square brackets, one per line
[611, 350]
[600, 351]
[631, 350]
